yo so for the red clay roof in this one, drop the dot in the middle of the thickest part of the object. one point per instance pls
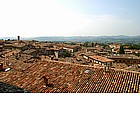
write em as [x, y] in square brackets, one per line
[71, 78]
[101, 59]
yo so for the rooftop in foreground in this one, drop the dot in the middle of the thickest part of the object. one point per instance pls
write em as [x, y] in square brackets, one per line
[70, 78]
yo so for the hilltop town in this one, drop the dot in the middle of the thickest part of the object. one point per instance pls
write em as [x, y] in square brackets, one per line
[68, 67]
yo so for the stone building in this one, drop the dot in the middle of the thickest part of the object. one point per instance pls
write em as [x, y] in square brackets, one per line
[127, 59]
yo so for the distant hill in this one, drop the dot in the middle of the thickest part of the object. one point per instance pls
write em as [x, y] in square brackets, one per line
[100, 39]
[6, 38]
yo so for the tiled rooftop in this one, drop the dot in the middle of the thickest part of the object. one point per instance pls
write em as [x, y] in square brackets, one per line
[101, 59]
[70, 78]
[126, 56]
[29, 51]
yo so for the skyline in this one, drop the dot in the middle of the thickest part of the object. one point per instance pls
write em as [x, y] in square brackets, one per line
[30, 18]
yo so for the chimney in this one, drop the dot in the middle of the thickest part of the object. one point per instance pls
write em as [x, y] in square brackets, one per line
[46, 80]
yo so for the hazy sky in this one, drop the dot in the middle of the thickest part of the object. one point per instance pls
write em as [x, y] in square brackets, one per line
[30, 18]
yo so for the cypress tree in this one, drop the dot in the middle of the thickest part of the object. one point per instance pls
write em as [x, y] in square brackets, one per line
[121, 51]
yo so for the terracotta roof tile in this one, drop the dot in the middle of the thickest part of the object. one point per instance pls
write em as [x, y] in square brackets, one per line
[71, 78]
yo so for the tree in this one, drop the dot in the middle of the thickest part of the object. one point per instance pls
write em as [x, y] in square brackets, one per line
[135, 46]
[72, 43]
[86, 44]
[66, 53]
[121, 51]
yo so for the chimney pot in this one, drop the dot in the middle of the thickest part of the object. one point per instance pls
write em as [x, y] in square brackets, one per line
[46, 80]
